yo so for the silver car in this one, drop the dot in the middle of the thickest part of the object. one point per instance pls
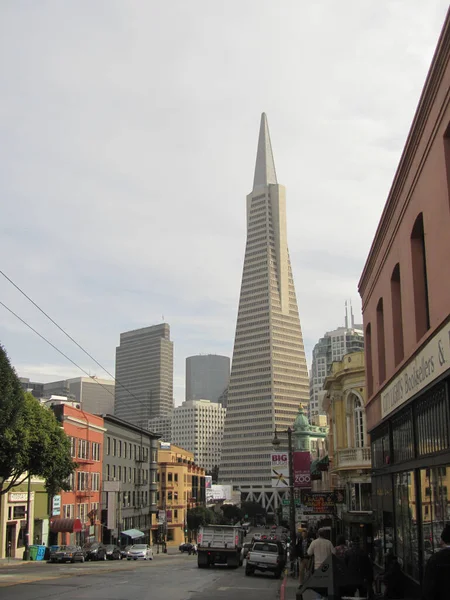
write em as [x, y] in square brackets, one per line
[140, 551]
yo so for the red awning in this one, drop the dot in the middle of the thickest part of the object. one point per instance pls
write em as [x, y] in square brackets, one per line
[65, 525]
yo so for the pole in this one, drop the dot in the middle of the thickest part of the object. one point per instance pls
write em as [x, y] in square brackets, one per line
[26, 553]
[292, 499]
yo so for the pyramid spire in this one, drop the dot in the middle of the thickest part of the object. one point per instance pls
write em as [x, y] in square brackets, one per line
[265, 166]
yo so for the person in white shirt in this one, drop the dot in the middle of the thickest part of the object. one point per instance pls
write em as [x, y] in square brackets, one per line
[320, 548]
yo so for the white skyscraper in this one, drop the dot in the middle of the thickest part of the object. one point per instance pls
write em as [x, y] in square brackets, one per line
[269, 376]
[197, 426]
[330, 348]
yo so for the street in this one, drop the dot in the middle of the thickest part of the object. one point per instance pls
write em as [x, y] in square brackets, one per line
[167, 577]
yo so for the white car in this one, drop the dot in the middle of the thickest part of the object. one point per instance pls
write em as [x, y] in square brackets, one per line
[140, 551]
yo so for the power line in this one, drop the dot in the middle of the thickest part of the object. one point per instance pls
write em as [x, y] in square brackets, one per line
[19, 289]
[53, 346]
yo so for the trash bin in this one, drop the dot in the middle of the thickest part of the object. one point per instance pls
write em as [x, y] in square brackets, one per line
[33, 552]
[41, 552]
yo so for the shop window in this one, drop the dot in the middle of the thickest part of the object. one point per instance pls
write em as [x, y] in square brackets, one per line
[21, 535]
[381, 353]
[420, 280]
[397, 315]
[380, 449]
[406, 537]
[359, 497]
[435, 506]
[432, 421]
[369, 366]
[402, 437]
[19, 512]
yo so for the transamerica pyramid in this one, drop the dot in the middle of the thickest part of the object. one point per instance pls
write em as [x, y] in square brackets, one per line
[269, 376]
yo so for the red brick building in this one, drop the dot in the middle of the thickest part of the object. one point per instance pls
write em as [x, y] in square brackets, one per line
[405, 291]
[76, 518]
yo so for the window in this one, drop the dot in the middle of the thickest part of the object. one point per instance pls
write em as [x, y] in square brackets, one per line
[73, 447]
[19, 512]
[82, 511]
[406, 538]
[402, 436]
[108, 445]
[108, 472]
[176, 477]
[381, 353]
[68, 512]
[82, 449]
[114, 447]
[71, 482]
[82, 480]
[169, 477]
[397, 314]
[119, 453]
[359, 422]
[369, 367]
[420, 281]
[95, 451]
[95, 482]
[432, 421]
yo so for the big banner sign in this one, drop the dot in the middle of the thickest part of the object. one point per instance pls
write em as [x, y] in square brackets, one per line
[279, 469]
[302, 469]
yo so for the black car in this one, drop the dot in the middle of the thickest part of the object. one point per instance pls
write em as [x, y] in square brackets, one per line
[124, 551]
[67, 554]
[95, 551]
[186, 547]
[113, 552]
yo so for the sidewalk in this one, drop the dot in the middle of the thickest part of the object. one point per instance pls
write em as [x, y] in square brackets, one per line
[289, 589]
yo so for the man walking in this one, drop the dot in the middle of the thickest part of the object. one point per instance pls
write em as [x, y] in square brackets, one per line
[436, 581]
[320, 549]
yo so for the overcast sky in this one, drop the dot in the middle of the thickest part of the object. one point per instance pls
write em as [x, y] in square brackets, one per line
[128, 134]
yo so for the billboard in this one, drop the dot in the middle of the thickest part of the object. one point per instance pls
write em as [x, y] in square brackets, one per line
[164, 445]
[279, 469]
[302, 469]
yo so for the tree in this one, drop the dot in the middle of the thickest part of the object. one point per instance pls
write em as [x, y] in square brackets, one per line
[31, 441]
[231, 512]
[199, 516]
[253, 510]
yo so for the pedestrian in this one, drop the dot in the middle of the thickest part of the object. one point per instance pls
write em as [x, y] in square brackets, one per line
[436, 581]
[302, 553]
[320, 549]
[360, 569]
[341, 547]
[393, 579]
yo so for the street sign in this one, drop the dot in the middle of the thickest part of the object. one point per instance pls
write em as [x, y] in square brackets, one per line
[286, 502]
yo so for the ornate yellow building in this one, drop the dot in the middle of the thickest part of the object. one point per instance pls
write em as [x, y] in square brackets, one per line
[349, 447]
[181, 486]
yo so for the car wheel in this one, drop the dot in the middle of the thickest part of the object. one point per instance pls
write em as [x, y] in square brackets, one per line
[82, 559]
[104, 557]
[128, 558]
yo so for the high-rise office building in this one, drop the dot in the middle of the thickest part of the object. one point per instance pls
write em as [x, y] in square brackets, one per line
[269, 376]
[94, 395]
[197, 426]
[144, 367]
[330, 348]
[207, 376]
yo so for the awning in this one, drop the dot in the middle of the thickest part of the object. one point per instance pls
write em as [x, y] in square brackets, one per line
[133, 533]
[65, 525]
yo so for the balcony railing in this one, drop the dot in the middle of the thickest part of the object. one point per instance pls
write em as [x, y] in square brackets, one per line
[352, 458]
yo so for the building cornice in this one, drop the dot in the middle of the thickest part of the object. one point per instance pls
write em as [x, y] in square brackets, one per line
[426, 102]
[84, 423]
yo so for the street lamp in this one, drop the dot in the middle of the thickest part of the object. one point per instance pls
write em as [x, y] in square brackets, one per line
[276, 442]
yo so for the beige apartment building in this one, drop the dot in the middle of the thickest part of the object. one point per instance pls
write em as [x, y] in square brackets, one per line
[269, 376]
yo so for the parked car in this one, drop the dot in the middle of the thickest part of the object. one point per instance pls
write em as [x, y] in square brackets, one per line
[95, 551]
[186, 547]
[113, 552]
[140, 551]
[67, 554]
[124, 551]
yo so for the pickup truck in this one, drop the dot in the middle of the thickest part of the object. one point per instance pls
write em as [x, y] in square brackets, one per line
[266, 556]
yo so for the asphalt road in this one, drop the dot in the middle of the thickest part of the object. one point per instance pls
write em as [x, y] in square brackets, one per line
[167, 577]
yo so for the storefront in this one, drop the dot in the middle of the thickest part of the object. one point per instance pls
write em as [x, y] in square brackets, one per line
[411, 479]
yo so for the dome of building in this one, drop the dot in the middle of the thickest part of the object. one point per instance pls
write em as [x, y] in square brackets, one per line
[301, 422]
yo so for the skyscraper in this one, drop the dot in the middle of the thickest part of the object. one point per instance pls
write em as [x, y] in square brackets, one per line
[144, 366]
[269, 376]
[207, 376]
[330, 348]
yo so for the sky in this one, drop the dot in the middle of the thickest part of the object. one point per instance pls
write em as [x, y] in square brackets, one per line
[128, 135]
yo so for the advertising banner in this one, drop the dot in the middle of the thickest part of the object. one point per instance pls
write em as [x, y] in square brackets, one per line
[280, 469]
[208, 482]
[302, 469]
[56, 506]
[319, 502]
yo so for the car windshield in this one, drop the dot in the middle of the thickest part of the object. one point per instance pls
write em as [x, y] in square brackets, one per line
[65, 548]
[265, 548]
[110, 547]
[139, 547]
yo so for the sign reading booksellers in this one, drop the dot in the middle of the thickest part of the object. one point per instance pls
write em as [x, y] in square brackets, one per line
[279, 469]
[302, 469]
[431, 362]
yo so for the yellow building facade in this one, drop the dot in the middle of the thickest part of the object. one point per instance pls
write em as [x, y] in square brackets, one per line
[181, 486]
[349, 446]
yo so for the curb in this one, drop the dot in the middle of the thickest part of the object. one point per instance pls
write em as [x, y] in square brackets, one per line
[283, 588]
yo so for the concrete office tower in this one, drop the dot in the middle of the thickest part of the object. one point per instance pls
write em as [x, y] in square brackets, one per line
[207, 376]
[197, 426]
[144, 366]
[94, 395]
[269, 376]
[333, 346]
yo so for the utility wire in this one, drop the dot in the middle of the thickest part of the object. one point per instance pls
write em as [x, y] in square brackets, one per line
[54, 347]
[67, 335]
